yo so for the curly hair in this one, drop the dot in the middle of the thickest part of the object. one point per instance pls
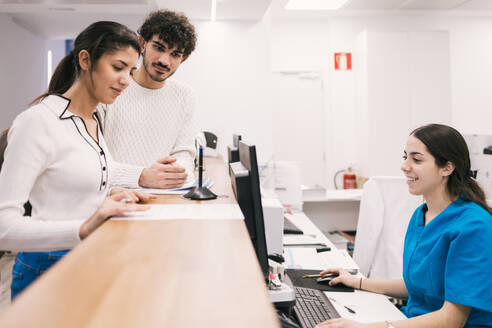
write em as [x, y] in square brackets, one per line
[173, 28]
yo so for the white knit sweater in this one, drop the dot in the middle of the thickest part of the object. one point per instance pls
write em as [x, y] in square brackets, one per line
[52, 161]
[144, 125]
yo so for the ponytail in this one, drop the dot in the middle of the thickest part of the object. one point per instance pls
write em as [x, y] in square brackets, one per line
[474, 193]
[62, 79]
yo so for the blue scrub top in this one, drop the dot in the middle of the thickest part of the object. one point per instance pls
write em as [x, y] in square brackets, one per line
[450, 259]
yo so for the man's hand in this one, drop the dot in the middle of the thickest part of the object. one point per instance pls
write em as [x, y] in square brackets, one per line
[163, 174]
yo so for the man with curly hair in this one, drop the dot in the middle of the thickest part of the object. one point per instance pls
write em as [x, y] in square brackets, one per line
[152, 123]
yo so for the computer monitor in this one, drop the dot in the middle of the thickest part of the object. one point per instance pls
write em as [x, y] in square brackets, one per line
[235, 140]
[232, 151]
[246, 185]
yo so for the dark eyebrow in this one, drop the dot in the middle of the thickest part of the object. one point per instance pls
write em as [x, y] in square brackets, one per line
[126, 65]
[413, 153]
[158, 43]
[123, 62]
[164, 46]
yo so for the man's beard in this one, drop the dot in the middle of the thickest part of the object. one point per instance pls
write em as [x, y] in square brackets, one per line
[153, 77]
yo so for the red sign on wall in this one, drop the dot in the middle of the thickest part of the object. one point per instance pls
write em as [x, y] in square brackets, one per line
[343, 61]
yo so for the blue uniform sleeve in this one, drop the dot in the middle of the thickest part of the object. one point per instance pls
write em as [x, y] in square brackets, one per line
[468, 278]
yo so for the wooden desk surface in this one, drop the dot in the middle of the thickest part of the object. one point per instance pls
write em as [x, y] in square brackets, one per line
[177, 273]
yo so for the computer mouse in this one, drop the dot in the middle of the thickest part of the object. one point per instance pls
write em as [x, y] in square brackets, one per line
[325, 280]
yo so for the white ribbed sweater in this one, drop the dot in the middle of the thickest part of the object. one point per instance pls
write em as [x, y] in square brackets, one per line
[144, 125]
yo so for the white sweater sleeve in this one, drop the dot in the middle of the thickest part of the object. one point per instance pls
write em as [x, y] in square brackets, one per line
[121, 174]
[124, 175]
[26, 157]
[184, 150]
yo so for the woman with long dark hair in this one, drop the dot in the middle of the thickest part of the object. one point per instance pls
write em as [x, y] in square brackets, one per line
[57, 159]
[447, 257]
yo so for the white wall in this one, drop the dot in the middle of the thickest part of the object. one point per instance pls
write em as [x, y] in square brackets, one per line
[471, 70]
[57, 48]
[231, 70]
[423, 72]
[408, 85]
[23, 69]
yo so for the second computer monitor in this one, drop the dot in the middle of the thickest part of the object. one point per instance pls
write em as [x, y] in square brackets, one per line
[232, 151]
[246, 185]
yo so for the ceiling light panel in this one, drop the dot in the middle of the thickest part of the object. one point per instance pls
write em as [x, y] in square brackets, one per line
[476, 5]
[74, 2]
[315, 4]
[374, 4]
[433, 4]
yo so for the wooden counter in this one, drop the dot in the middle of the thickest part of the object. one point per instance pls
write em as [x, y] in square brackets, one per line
[174, 273]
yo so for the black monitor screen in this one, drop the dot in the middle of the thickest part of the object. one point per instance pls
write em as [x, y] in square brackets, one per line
[232, 151]
[235, 140]
[246, 185]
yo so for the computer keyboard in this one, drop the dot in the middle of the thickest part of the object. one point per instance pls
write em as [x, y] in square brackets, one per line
[312, 307]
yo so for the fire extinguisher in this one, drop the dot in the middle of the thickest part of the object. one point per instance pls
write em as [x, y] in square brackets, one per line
[349, 179]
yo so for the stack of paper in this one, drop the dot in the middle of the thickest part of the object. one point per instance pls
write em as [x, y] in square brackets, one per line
[186, 211]
[308, 258]
[178, 191]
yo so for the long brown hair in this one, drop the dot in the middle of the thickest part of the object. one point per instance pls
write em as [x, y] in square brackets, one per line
[97, 39]
[446, 144]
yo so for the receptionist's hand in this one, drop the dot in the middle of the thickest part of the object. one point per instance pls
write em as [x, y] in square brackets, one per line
[163, 174]
[340, 323]
[343, 277]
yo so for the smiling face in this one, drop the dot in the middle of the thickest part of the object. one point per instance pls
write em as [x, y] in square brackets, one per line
[159, 60]
[112, 74]
[424, 177]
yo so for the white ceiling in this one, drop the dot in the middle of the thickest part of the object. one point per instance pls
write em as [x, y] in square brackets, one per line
[65, 18]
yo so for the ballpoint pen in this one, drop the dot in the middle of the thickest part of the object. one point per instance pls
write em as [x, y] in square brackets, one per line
[338, 302]
[317, 275]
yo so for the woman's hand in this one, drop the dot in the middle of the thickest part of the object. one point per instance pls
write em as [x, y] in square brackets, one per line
[343, 277]
[132, 195]
[119, 202]
[340, 323]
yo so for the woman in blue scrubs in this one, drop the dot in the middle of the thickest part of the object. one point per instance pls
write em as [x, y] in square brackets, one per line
[447, 257]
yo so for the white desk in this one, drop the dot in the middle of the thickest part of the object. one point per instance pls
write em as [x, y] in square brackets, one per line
[369, 307]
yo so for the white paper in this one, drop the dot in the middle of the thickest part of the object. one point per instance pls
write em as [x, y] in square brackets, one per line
[301, 240]
[308, 258]
[186, 211]
[302, 258]
[177, 191]
[368, 307]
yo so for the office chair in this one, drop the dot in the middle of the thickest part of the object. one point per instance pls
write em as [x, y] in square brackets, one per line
[209, 141]
[3, 145]
[385, 210]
